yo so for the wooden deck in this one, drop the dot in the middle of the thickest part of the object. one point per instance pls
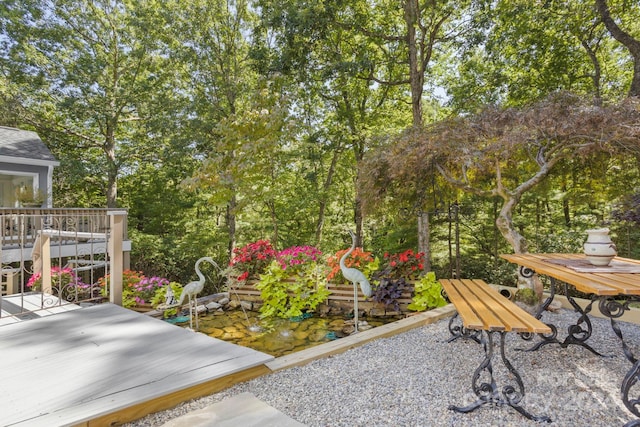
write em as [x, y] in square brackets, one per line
[105, 365]
[28, 306]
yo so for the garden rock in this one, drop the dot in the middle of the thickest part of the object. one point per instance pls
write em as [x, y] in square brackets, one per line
[213, 306]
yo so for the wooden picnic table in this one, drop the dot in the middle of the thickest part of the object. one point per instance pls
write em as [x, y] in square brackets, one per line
[613, 287]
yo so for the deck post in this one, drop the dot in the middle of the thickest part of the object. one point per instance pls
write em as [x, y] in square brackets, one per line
[45, 245]
[117, 219]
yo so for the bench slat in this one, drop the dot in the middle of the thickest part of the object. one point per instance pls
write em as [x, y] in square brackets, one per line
[515, 318]
[470, 319]
[482, 307]
[476, 303]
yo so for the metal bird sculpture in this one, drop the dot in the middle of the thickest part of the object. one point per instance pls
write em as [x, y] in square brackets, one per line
[356, 277]
[192, 289]
[353, 274]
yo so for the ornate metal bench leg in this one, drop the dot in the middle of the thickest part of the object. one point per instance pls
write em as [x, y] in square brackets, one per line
[459, 331]
[546, 339]
[488, 392]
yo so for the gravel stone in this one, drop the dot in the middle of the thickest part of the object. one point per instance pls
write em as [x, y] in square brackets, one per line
[411, 378]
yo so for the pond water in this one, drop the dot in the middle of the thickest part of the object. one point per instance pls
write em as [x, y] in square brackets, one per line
[277, 337]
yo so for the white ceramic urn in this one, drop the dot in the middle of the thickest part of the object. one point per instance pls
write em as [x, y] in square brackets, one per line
[599, 249]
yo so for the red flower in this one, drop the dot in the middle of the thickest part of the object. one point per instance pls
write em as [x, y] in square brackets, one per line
[406, 264]
[252, 258]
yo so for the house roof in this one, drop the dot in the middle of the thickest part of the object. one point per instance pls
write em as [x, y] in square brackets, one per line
[25, 147]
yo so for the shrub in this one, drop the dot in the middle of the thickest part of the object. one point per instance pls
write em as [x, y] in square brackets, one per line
[427, 294]
[286, 298]
[389, 291]
[64, 281]
[251, 260]
[527, 296]
[136, 287]
[406, 265]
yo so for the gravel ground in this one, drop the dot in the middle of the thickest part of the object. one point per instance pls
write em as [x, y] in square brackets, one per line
[410, 379]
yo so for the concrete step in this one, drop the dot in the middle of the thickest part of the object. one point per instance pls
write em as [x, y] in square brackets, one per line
[244, 410]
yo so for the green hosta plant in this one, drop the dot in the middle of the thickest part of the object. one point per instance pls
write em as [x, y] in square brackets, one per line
[427, 294]
[288, 296]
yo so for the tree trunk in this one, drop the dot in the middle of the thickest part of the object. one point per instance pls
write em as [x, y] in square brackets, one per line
[112, 180]
[416, 74]
[112, 166]
[358, 217]
[274, 222]
[416, 83]
[626, 40]
[231, 224]
[597, 73]
[424, 245]
[504, 222]
[566, 209]
[323, 199]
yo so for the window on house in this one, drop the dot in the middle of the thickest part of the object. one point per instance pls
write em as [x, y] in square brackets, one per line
[9, 186]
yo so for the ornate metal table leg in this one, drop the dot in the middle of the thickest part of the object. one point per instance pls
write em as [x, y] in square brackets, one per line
[488, 391]
[613, 309]
[576, 333]
[459, 331]
[628, 382]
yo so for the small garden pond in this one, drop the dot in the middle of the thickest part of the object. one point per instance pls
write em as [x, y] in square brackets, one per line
[278, 337]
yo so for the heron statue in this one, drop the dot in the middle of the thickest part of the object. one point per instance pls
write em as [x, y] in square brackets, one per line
[356, 277]
[192, 289]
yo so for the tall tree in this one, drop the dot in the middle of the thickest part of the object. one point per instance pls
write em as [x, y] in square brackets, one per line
[529, 50]
[212, 40]
[625, 38]
[377, 54]
[506, 153]
[318, 44]
[82, 70]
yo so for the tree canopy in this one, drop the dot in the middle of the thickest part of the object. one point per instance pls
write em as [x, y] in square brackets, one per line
[486, 125]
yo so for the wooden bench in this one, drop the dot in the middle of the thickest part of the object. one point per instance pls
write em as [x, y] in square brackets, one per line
[485, 312]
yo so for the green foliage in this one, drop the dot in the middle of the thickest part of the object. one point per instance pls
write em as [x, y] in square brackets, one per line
[427, 294]
[407, 265]
[286, 296]
[278, 113]
[527, 296]
[89, 96]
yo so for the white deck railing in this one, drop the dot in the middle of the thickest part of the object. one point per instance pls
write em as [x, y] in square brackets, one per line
[47, 244]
